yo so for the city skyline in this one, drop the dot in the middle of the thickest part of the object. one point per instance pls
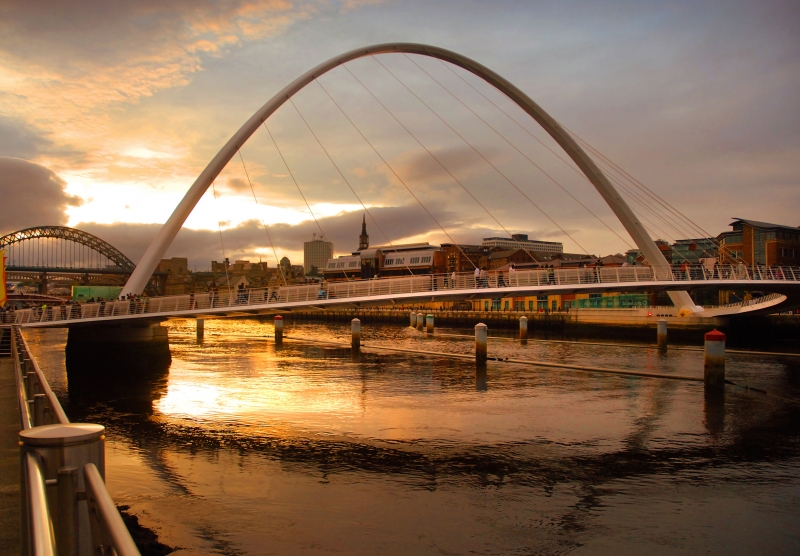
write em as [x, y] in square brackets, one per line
[114, 138]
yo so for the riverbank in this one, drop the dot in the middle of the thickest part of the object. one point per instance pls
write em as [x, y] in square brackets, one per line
[769, 333]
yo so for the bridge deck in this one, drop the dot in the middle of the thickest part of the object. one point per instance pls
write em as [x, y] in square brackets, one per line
[465, 286]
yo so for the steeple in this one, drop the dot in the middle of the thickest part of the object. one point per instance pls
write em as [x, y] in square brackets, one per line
[363, 239]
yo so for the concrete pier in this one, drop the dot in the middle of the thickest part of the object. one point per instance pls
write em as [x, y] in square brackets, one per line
[714, 361]
[413, 320]
[201, 328]
[278, 329]
[661, 333]
[355, 330]
[523, 328]
[481, 336]
[429, 324]
[420, 321]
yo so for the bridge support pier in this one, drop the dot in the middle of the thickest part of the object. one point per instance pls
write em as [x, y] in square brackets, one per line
[413, 319]
[429, 324]
[420, 321]
[201, 329]
[714, 361]
[661, 333]
[523, 328]
[106, 347]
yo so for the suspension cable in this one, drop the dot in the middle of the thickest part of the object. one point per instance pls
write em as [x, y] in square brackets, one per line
[512, 145]
[347, 182]
[526, 130]
[269, 237]
[219, 225]
[439, 162]
[285, 163]
[394, 172]
[484, 158]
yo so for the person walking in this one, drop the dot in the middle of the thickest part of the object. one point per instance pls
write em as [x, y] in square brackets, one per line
[477, 277]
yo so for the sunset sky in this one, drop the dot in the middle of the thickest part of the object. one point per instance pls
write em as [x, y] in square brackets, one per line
[110, 110]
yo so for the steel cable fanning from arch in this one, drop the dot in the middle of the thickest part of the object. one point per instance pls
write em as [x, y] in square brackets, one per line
[572, 148]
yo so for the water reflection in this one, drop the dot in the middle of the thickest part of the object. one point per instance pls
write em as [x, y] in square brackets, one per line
[380, 452]
[714, 411]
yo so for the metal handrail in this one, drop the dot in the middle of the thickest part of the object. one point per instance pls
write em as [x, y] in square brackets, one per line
[52, 400]
[25, 418]
[538, 278]
[109, 533]
[41, 538]
[108, 529]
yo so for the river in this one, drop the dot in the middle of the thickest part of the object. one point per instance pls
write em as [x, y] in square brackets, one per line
[239, 447]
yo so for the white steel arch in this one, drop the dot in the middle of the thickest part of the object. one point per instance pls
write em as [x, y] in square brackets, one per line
[626, 216]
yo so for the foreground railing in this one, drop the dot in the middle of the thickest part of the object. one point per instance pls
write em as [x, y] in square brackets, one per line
[66, 508]
[398, 286]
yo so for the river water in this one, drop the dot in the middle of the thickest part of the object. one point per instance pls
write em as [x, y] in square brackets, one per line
[236, 447]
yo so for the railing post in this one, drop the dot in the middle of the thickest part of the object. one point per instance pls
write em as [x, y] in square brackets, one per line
[67, 523]
[67, 445]
[39, 410]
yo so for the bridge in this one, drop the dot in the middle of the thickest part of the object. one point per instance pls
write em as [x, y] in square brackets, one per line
[781, 283]
[48, 254]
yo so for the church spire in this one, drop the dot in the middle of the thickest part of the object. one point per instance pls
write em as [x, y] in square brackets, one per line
[363, 239]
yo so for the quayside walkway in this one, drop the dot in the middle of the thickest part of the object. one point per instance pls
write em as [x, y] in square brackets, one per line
[53, 498]
[782, 282]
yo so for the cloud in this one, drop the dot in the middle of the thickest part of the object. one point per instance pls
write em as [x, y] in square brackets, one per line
[32, 196]
[249, 240]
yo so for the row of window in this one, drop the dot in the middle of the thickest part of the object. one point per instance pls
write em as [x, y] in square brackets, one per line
[414, 260]
[793, 253]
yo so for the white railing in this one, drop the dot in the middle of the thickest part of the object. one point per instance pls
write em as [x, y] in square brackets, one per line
[50, 517]
[361, 289]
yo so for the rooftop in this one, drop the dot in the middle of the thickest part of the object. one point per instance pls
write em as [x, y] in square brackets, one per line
[761, 225]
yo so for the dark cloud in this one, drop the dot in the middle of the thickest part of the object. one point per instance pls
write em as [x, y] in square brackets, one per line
[32, 196]
[19, 140]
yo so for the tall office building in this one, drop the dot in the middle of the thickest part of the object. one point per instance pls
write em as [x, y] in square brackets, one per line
[316, 253]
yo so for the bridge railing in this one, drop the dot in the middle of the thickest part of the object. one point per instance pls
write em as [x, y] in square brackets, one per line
[65, 505]
[175, 304]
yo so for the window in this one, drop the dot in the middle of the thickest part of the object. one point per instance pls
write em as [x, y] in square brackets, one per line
[530, 305]
[339, 265]
[505, 306]
[353, 263]
[426, 259]
[414, 260]
[389, 261]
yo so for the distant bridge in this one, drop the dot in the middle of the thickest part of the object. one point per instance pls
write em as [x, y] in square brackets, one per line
[782, 284]
[59, 253]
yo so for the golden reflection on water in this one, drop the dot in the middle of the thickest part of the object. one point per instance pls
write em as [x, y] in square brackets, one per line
[243, 446]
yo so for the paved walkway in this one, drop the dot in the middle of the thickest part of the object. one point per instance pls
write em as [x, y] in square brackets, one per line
[9, 461]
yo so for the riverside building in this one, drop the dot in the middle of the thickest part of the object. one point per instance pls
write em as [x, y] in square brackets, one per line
[521, 241]
[316, 254]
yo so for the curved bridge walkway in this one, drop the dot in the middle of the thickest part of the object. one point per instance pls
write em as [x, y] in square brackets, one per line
[782, 283]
